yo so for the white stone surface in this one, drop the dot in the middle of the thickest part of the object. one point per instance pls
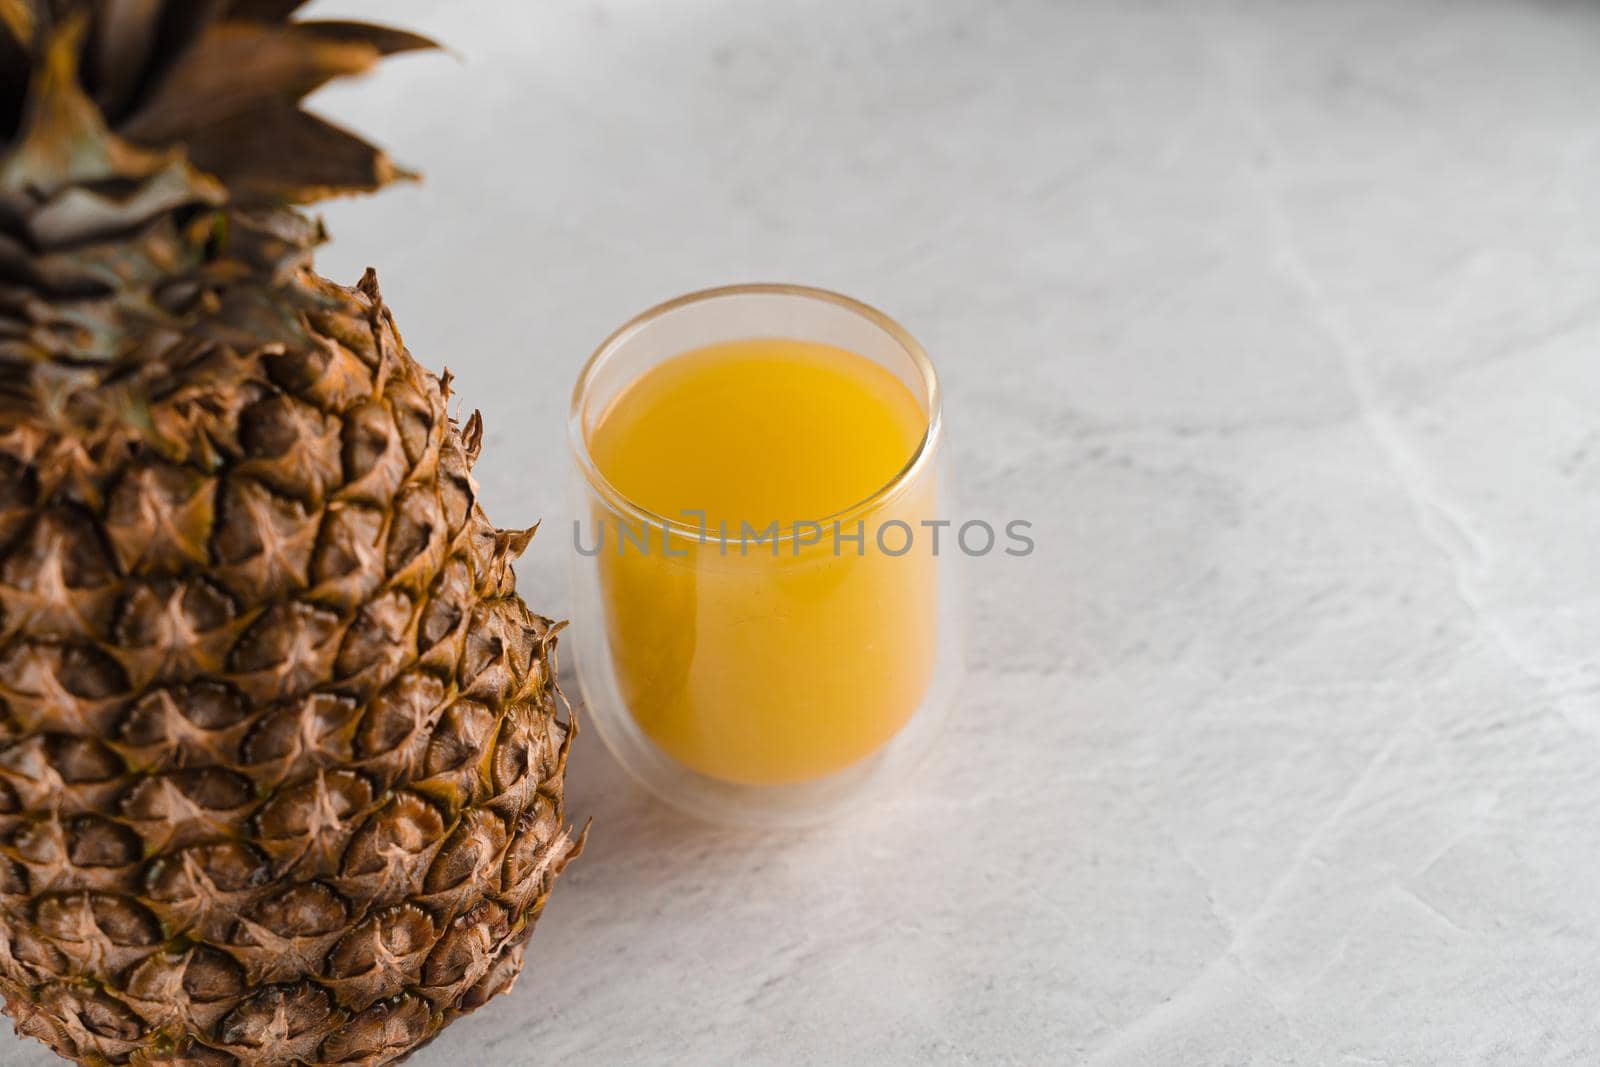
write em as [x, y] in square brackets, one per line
[1281, 322]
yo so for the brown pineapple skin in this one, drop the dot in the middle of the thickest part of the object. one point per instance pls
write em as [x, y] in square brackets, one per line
[281, 768]
[281, 761]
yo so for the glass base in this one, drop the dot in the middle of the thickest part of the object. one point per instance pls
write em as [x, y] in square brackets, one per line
[791, 806]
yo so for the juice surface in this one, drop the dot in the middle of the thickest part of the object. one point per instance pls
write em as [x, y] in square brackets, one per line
[758, 430]
[755, 666]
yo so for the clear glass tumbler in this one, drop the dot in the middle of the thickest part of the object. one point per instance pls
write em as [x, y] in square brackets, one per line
[767, 678]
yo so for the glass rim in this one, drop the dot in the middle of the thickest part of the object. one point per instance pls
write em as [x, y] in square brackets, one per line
[617, 501]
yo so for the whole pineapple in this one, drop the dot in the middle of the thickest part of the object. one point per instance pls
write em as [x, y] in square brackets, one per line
[280, 762]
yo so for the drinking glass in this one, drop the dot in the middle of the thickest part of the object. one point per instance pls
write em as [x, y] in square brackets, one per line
[779, 678]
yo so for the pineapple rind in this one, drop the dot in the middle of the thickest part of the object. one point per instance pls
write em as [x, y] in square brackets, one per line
[281, 762]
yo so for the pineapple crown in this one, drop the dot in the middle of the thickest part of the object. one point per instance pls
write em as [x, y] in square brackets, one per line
[152, 153]
[104, 90]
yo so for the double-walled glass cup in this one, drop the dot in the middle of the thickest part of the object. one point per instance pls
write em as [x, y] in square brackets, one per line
[765, 677]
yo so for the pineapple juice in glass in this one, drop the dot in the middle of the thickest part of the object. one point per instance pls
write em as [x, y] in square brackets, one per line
[764, 627]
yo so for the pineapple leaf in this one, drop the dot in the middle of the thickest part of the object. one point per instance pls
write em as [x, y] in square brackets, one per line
[119, 49]
[234, 68]
[18, 18]
[265, 10]
[278, 152]
[64, 138]
[386, 40]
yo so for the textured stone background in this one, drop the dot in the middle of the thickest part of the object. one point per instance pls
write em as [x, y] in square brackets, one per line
[1281, 321]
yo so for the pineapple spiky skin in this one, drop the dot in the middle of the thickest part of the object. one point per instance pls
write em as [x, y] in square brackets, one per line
[281, 759]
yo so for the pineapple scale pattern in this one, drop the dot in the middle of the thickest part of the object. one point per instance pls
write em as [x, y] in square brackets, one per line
[280, 761]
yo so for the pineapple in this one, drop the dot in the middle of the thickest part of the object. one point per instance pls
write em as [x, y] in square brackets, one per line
[280, 757]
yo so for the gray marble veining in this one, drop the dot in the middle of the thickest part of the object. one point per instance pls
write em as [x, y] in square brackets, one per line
[1281, 323]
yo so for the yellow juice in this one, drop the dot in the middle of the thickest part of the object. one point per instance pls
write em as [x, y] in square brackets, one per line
[785, 660]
